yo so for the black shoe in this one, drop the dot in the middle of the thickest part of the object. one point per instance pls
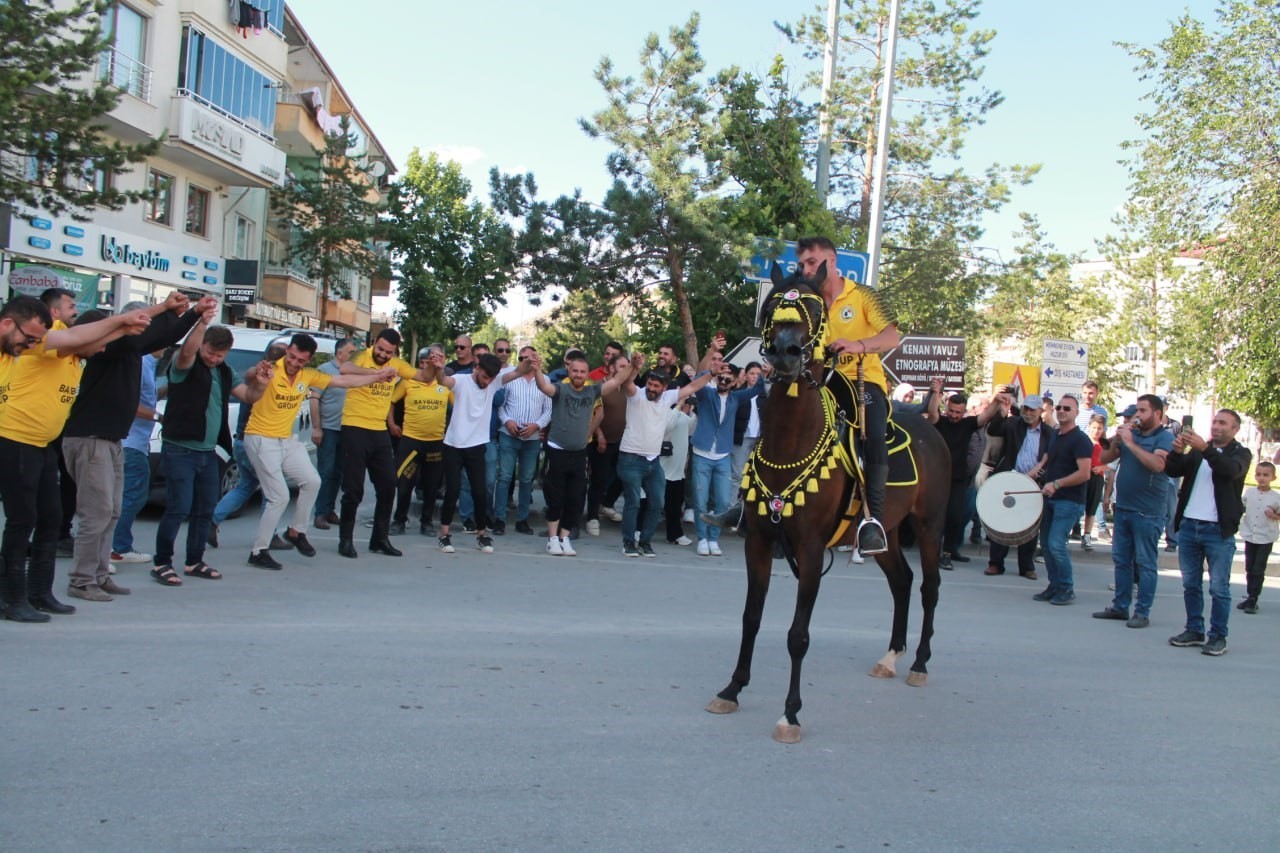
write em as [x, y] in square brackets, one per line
[21, 611]
[278, 543]
[1062, 598]
[397, 528]
[975, 539]
[957, 557]
[1046, 595]
[1111, 613]
[263, 560]
[48, 604]
[944, 563]
[1187, 638]
[646, 549]
[1138, 622]
[485, 544]
[500, 528]
[730, 519]
[213, 535]
[384, 546]
[871, 538]
[629, 549]
[1215, 646]
[1249, 605]
[299, 541]
[347, 548]
[523, 527]
[469, 525]
[427, 529]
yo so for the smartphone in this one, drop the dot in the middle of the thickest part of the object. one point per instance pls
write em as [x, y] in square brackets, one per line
[1186, 421]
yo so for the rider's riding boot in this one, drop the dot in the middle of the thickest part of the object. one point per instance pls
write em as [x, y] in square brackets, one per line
[730, 519]
[871, 535]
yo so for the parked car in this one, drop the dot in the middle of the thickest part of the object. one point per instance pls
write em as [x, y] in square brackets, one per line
[246, 351]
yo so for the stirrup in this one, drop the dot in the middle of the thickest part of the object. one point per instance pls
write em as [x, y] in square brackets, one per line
[730, 519]
[871, 537]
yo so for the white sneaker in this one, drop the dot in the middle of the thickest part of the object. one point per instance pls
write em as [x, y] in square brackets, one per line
[593, 527]
[683, 540]
[566, 547]
[844, 548]
[1086, 542]
[611, 513]
[704, 549]
[688, 516]
[130, 557]
[714, 547]
[856, 557]
[554, 548]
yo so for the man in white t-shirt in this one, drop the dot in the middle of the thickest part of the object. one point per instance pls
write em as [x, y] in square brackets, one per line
[467, 437]
[639, 468]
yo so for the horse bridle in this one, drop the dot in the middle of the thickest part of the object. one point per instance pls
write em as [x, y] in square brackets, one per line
[797, 306]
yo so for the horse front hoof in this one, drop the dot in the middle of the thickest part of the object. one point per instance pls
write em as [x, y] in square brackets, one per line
[785, 732]
[882, 671]
[917, 679]
[721, 706]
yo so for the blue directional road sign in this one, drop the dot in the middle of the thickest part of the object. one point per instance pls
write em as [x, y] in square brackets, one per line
[852, 265]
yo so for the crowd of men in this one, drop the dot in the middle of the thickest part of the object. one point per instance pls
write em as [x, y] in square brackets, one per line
[79, 400]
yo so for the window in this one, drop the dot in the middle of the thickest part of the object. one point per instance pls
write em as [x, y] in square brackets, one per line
[160, 208]
[208, 69]
[1133, 353]
[244, 248]
[197, 210]
[121, 64]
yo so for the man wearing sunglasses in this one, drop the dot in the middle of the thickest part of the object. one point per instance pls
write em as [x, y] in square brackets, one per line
[463, 359]
[1065, 474]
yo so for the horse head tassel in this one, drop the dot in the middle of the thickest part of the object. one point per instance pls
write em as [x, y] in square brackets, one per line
[793, 390]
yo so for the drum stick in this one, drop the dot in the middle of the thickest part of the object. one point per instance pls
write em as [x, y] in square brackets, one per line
[1028, 492]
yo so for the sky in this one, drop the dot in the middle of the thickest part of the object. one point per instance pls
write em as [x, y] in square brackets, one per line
[504, 84]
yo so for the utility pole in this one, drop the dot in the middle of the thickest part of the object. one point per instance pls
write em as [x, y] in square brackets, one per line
[878, 177]
[823, 177]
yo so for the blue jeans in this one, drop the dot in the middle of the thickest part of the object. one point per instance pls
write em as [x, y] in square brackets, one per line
[712, 486]
[1201, 542]
[1171, 509]
[1135, 539]
[466, 503]
[327, 456]
[233, 500]
[638, 475]
[191, 490]
[137, 485]
[1059, 517]
[514, 451]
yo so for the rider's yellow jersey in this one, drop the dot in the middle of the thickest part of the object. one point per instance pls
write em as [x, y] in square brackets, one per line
[859, 313]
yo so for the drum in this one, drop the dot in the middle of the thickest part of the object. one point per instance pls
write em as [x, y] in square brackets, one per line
[1010, 505]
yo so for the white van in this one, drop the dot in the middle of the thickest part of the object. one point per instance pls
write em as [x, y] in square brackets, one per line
[247, 348]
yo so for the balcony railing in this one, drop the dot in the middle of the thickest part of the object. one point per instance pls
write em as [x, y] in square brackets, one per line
[294, 271]
[125, 73]
[187, 93]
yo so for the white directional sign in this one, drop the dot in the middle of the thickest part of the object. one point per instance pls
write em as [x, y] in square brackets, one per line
[1064, 367]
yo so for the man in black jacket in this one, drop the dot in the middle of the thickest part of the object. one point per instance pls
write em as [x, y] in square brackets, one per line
[100, 419]
[1208, 515]
[200, 388]
[1024, 450]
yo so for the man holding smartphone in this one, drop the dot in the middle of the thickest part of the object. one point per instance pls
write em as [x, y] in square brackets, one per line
[1142, 444]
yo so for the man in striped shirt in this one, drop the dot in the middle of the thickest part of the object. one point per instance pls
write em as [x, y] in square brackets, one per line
[524, 413]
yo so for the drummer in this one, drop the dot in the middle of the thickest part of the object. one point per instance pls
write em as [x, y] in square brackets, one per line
[1024, 450]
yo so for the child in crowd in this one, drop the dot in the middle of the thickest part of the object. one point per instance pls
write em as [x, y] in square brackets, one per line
[1260, 527]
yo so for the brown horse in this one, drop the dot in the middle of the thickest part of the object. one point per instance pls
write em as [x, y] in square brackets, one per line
[798, 491]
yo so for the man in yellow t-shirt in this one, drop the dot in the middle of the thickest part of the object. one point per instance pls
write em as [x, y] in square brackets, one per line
[366, 446]
[859, 327]
[41, 376]
[420, 454]
[277, 457]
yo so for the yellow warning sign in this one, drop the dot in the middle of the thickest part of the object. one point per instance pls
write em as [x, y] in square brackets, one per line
[1022, 378]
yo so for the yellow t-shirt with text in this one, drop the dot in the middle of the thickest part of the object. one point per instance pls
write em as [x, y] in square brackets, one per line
[366, 407]
[41, 386]
[275, 411]
[856, 314]
[426, 407]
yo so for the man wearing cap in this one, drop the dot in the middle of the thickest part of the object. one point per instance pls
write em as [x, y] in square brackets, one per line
[1024, 449]
[326, 434]
[1142, 445]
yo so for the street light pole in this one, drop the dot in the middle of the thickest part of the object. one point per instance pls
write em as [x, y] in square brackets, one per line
[878, 177]
[823, 177]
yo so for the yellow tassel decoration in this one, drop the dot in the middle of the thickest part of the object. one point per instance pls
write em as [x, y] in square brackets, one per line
[811, 487]
[761, 509]
[751, 493]
[799, 499]
[793, 390]
[787, 511]
[746, 481]
[824, 472]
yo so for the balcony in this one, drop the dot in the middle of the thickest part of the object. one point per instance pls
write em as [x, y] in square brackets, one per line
[207, 138]
[296, 130]
[290, 287]
[347, 313]
[127, 74]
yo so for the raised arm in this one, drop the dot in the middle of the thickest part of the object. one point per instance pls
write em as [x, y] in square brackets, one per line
[88, 338]
[191, 346]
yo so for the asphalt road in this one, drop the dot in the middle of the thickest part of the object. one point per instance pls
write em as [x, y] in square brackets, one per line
[518, 701]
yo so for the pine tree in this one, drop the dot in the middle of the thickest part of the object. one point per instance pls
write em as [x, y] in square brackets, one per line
[52, 138]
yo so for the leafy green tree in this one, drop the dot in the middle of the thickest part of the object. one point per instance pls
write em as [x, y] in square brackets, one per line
[52, 142]
[453, 254]
[1208, 171]
[332, 203]
[582, 320]
[490, 331]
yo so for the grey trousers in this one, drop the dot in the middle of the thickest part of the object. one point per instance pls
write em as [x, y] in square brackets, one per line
[97, 465]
